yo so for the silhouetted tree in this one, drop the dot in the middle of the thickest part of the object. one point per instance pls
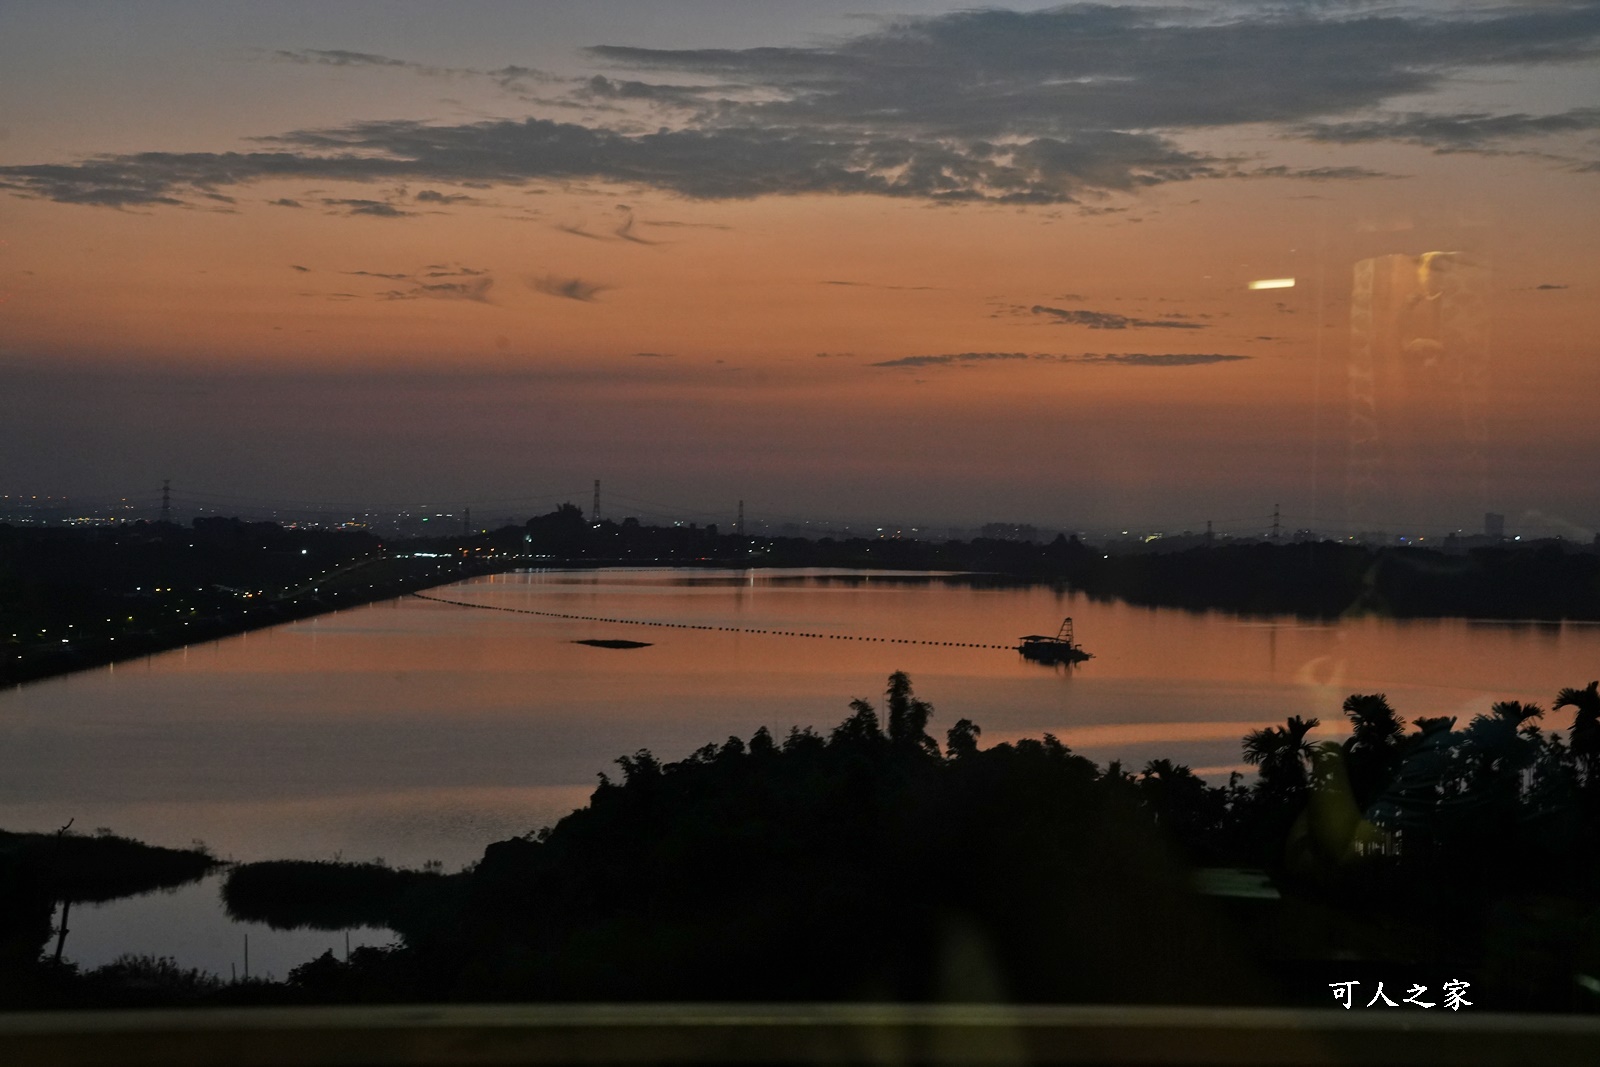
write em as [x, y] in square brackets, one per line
[639, 767]
[860, 730]
[563, 531]
[1182, 804]
[962, 739]
[1431, 724]
[1283, 754]
[1373, 749]
[908, 716]
[1585, 741]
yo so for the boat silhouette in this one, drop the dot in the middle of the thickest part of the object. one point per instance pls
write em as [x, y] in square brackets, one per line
[1056, 648]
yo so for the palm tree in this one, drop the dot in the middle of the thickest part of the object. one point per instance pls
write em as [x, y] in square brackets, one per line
[1373, 750]
[1282, 753]
[1374, 723]
[1496, 755]
[1264, 747]
[1300, 750]
[1181, 802]
[1585, 743]
[1428, 725]
[1411, 802]
[1516, 712]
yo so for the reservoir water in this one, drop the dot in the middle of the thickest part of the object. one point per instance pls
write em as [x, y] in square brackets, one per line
[415, 730]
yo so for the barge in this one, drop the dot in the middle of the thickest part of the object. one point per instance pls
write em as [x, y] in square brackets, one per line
[1056, 648]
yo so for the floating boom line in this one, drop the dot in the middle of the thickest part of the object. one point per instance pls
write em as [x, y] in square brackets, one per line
[720, 629]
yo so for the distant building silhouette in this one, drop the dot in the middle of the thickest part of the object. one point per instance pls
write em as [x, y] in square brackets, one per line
[1418, 389]
[1494, 525]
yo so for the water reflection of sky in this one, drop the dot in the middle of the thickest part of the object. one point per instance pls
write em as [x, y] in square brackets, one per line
[189, 925]
[414, 730]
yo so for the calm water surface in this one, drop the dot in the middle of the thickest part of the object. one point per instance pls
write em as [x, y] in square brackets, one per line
[414, 730]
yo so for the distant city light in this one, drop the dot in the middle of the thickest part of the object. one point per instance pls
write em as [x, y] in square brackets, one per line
[1272, 283]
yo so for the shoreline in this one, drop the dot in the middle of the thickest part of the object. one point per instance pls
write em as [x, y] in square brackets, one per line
[42, 664]
[27, 669]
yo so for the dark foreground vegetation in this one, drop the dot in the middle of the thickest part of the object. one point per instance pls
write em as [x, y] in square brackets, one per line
[43, 875]
[874, 863]
[326, 895]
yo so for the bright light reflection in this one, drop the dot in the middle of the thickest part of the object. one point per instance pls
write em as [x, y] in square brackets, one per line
[1272, 283]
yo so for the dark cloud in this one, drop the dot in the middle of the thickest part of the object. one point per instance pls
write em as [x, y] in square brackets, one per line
[601, 88]
[476, 290]
[625, 231]
[675, 224]
[567, 288]
[1462, 132]
[737, 163]
[653, 355]
[441, 270]
[285, 202]
[1132, 359]
[433, 196]
[1100, 68]
[1110, 320]
[1177, 359]
[955, 357]
[1040, 107]
[298, 267]
[1547, 285]
[512, 79]
[374, 208]
[97, 183]
[730, 163]
[874, 285]
[1313, 174]
[510, 76]
[337, 57]
[576, 230]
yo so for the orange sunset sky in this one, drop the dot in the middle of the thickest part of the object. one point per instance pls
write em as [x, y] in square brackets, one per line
[856, 261]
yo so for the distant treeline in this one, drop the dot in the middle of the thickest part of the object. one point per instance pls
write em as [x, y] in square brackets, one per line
[1324, 579]
[873, 863]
